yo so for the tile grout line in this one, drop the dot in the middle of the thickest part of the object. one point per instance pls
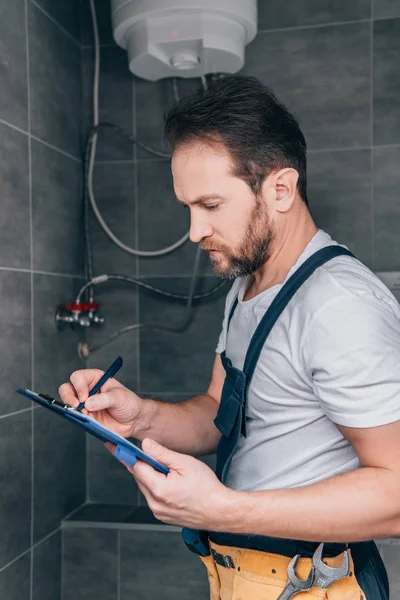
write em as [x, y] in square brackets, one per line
[17, 412]
[62, 572]
[63, 152]
[56, 23]
[85, 125]
[321, 25]
[118, 564]
[3, 122]
[371, 117]
[32, 292]
[83, 278]
[136, 200]
[36, 545]
[136, 218]
[37, 272]
[37, 139]
[87, 457]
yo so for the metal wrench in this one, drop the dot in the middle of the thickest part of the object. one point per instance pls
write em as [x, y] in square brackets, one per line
[295, 585]
[324, 575]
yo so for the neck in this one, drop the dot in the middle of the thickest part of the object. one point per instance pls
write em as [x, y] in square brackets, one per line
[288, 246]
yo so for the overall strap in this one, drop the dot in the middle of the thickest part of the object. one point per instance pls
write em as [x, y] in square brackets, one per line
[282, 299]
[234, 305]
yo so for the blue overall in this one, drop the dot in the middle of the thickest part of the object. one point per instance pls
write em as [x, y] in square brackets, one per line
[231, 422]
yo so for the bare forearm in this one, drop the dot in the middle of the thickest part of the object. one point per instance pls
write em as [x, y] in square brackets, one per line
[186, 427]
[355, 506]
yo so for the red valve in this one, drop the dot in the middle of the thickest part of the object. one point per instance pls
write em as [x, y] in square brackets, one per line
[82, 306]
[76, 306]
[92, 305]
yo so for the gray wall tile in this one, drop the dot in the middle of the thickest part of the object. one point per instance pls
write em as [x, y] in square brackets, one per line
[15, 351]
[386, 8]
[59, 471]
[115, 101]
[386, 84]
[55, 84]
[90, 564]
[14, 214]
[56, 352]
[158, 565]
[56, 211]
[340, 196]
[391, 557]
[66, 13]
[109, 480]
[47, 569]
[118, 304]
[103, 14]
[162, 221]
[13, 71]
[310, 12]
[15, 580]
[15, 485]
[323, 76]
[114, 186]
[179, 361]
[386, 208]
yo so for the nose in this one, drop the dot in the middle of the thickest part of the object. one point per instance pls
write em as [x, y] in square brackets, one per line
[199, 229]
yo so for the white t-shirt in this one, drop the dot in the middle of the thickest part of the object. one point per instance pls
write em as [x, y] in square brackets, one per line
[333, 356]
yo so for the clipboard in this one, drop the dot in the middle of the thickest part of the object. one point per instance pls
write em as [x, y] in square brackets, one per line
[125, 450]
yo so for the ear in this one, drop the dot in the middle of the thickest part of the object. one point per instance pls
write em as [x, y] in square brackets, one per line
[285, 188]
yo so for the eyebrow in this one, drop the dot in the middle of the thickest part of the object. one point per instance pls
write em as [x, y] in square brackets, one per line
[202, 199]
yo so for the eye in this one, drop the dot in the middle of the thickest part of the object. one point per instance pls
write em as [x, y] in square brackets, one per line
[211, 207]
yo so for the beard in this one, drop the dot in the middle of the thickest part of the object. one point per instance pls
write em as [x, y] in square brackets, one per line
[252, 253]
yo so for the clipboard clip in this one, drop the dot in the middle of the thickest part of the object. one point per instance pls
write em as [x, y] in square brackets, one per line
[51, 400]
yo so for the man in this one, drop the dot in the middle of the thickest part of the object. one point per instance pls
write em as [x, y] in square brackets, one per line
[306, 379]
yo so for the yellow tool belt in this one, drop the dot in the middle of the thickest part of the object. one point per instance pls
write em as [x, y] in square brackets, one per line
[241, 574]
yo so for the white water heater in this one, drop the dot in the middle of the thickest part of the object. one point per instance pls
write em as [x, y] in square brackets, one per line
[184, 38]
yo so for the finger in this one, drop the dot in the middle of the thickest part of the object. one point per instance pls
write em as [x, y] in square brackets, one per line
[165, 456]
[147, 476]
[67, 393]
[146, 493]
[110, 447]
[83, 380]
[101, 401]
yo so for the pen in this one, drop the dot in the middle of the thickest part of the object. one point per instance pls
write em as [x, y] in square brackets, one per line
[112, 369]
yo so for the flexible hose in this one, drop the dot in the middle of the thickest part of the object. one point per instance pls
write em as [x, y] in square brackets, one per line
[104, 278]
[85, 350]
[92, 158]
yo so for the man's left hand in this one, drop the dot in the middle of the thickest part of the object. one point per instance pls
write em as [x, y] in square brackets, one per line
[189, 496]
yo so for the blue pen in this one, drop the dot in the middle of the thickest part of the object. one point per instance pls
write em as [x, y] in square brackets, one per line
[112, 369]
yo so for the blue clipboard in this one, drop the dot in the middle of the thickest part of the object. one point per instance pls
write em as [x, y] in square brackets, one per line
[125, 450]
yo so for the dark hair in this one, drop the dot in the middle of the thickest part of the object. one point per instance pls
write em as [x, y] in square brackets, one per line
[261, 135]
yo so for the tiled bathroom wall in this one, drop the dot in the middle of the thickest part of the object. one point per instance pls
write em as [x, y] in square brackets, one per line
[336, 67]
[42, 462]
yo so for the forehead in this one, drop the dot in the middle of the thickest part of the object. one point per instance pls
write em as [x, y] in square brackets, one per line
[198, 162]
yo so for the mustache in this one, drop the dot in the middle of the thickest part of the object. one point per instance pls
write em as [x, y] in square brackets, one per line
[206, 246]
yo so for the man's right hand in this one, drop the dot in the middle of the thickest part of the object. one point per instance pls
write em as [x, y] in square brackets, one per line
[115, 406]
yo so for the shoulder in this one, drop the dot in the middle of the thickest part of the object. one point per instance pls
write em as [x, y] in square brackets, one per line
[344, 285]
